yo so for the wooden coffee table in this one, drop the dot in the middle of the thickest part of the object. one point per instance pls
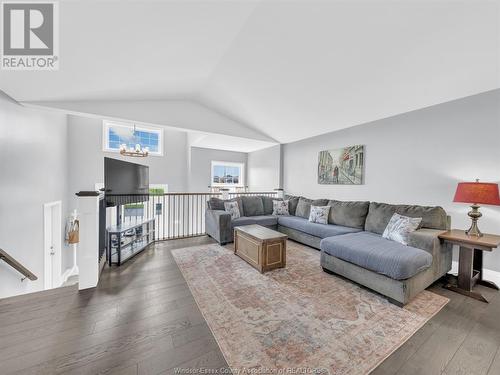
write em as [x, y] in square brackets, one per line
[261, 247]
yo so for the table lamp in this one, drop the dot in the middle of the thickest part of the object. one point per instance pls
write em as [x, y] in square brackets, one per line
[476, 193]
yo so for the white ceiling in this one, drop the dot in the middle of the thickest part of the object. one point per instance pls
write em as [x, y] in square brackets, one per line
[287, 69]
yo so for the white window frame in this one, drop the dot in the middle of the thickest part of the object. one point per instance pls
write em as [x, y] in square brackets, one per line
[151, 129]
[241, 183]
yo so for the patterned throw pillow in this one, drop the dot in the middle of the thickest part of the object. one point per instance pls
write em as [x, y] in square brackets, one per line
[319, 214]
[233, 209]
[400, 227]
[280, 207]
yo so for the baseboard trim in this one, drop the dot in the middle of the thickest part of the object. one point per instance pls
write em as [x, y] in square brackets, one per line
[489, 275]
[68, 273]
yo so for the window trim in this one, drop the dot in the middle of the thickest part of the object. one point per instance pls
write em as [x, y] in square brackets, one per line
[231, 164]
[106, 125]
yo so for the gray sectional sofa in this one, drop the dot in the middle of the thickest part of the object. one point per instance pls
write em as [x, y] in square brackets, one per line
[351, 243]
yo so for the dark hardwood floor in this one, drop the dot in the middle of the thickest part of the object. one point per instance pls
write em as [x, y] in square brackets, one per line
[142, 319]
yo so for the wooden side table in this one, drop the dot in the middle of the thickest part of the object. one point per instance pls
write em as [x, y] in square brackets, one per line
[470, 262]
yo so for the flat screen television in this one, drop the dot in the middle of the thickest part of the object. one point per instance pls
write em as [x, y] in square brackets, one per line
[125, 182]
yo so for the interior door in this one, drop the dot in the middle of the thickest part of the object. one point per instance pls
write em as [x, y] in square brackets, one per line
[52, 244]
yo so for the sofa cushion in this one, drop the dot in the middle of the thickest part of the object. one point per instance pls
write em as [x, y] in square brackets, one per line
[371, 251]
[218, 204]
[349, 213]
[267, 202]
[433, 217]
[253, 205]
[304, 206]
[292, 203]
[379, 215]
[265, 220]
[314, 229]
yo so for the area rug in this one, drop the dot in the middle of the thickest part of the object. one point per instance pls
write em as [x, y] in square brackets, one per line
[298, 319]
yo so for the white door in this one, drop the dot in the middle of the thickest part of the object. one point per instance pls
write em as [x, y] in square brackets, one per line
[52, 220]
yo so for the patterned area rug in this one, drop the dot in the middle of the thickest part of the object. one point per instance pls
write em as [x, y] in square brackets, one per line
[297, 319]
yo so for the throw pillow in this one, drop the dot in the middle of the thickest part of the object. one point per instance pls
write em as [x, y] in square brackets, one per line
[400, 227]
[233, 209]
[280, 207]
[319, 214]
[303, 208]
[292, 203]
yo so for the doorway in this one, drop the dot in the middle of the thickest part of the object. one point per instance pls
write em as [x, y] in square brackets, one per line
[52, 237]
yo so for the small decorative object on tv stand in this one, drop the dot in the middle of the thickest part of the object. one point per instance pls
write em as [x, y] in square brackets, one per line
[476, 193]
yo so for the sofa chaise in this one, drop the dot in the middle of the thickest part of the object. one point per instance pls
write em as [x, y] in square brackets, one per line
[351, 244]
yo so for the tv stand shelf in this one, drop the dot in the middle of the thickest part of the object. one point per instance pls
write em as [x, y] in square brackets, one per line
[129, 239]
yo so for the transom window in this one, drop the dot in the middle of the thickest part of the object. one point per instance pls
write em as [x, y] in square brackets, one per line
[116, 134]
[227, 173]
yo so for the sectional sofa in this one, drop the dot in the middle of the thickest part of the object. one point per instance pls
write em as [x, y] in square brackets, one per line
[351, 243]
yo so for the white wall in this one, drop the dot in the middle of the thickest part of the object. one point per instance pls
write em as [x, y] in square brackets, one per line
[86, 157]
[33, 170]
[416, 158]
[264, 169]
[200, 169]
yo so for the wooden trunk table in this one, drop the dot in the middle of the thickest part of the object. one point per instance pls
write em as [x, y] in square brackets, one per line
[261, 247]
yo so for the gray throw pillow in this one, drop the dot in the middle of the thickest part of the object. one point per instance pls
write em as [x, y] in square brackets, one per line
[303, 208]
[293, 201]
[399, 228]
[268, 204]
[319, 214]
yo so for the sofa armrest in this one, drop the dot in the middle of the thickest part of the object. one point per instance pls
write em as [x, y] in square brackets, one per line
[428, 240]
[218, 225]
[425, 239]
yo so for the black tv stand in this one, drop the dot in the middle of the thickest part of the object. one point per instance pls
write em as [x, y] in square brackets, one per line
[127, 240]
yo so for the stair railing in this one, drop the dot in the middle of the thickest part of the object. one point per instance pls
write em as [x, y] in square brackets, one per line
[17, 266]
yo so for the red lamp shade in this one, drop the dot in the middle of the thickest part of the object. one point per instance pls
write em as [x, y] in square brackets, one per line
[478, 193]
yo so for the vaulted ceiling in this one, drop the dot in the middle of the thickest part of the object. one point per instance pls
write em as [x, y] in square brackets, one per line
[284, 69]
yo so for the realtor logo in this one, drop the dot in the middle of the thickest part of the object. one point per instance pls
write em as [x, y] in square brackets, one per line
[30, 39]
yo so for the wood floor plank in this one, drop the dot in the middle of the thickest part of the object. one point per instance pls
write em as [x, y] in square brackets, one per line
[495, 365]
[475, 355]
[176, 356]
[191, 334]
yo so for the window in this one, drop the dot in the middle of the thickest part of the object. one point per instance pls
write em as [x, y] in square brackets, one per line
[227, 174]
[115, 134]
